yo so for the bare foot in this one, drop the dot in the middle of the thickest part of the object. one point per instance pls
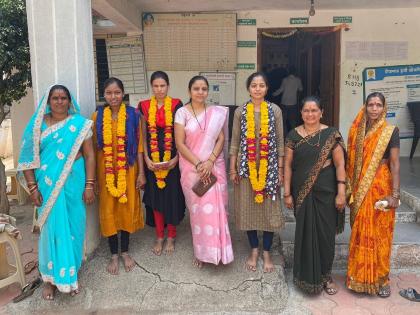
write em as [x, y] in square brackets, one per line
[48, 291]
[251, 262]
[129, 263]
[113, 266]
[157, 248]
[169, 246]
[268, 265]
[197, 263]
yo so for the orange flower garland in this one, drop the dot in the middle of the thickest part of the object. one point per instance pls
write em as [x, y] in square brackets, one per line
[118, 191]
[160, 174]
[257, 180]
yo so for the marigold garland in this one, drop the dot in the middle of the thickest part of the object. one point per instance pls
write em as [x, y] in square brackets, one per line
[167, 106]
[257, 180]
[118, 191]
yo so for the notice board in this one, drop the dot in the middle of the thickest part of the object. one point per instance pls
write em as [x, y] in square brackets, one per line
[399, 85]
[222, 86]
[126, 62]
[190, 41]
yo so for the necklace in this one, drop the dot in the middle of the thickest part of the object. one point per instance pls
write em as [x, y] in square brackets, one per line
[205, 117]
[307, 135]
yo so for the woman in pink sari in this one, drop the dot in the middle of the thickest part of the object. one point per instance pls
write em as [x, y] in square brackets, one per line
[200, 138]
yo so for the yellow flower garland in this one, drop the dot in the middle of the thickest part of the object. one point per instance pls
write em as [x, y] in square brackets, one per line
[258, 180]
[160, 174]
[118, 191]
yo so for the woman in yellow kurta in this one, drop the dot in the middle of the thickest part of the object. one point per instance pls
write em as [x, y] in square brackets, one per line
[120, 171]
[373, 175]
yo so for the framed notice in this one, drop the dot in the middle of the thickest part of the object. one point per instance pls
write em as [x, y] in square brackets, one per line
[222, 86]
[126, 62]
[190, 41]
[399, 85]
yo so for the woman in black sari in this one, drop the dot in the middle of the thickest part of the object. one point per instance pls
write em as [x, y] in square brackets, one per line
[314, 186]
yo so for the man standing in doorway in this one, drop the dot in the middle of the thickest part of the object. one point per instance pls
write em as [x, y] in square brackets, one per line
[290, 87]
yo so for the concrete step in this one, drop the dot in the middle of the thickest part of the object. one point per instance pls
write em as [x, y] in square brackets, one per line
[405, 248]
[404, 214]
[411, 197]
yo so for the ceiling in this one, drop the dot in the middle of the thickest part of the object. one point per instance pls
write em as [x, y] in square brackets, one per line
[244, 5]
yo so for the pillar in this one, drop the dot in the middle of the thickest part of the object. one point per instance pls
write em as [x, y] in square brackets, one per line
[61, 47]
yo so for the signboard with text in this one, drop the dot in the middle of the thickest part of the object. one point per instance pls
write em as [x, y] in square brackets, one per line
[399, 85]
[222, 86]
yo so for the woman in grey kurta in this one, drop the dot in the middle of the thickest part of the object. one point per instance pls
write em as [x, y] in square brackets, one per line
[251, 216]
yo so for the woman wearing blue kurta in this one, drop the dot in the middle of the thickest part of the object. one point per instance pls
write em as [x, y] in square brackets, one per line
[57, 167]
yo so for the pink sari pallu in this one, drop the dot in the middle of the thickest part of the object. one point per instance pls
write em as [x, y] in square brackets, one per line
[208, 217]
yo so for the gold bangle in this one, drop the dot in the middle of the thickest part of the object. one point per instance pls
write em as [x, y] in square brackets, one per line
[285, 196]
[88, 188]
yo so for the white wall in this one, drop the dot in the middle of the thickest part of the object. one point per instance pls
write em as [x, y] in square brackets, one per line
[367, 25]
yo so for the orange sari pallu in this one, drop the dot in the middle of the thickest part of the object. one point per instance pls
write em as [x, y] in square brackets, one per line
[369, 180]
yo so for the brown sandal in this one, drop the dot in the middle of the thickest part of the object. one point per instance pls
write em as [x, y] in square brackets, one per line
[329, 289]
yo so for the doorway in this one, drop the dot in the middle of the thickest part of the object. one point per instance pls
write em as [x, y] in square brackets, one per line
[315, 55]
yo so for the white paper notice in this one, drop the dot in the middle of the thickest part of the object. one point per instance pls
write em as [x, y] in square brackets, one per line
[356, 50]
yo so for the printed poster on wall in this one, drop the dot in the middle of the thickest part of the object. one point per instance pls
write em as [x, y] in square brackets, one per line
[400, 85]
[222, 86]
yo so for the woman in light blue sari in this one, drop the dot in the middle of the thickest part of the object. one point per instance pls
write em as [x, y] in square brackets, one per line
[57, 167]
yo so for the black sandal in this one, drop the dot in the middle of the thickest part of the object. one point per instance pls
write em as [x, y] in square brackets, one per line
[410, 294]
[384, 291]
[28, 290]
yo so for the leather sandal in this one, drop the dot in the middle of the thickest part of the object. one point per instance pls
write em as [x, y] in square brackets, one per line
[410, 294]
[28, 290]
[330, 290]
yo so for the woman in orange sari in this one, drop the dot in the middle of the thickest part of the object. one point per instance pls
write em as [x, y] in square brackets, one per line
[373, 175]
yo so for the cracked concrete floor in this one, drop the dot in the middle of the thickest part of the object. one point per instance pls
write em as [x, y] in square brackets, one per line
[170, 284]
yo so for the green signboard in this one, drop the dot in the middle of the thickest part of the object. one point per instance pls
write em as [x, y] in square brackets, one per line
[299, 20]
[342, 19]
[247, 66]
[247, 43]
[247, 22]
